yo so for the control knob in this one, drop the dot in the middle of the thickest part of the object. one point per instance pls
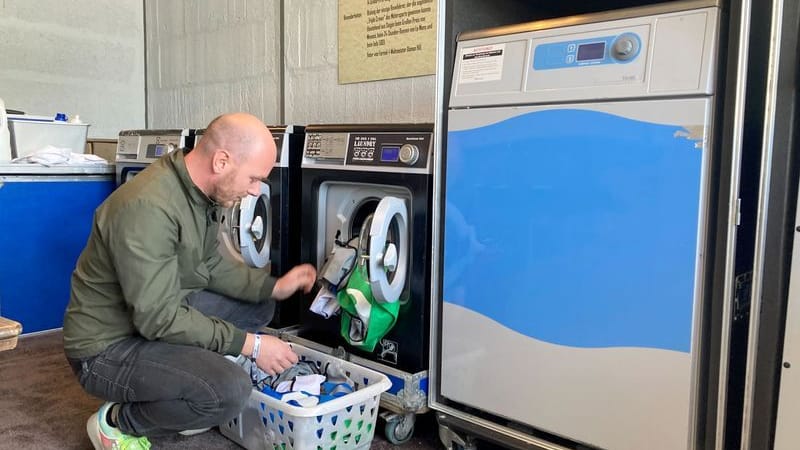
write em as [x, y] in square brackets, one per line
[625, 47]
[409, 154]
[170, 148]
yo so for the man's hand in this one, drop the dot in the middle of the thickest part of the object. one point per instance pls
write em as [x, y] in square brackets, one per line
[274, 355]
[300, 277]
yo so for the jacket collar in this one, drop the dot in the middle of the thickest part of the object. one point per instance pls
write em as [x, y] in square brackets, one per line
[197, 196]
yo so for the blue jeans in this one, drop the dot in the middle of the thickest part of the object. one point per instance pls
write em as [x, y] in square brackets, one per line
[165, 388]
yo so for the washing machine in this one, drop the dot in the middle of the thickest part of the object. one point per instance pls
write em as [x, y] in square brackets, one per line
[264, 230]
[579, 193]
[368, 187]
[136, 149]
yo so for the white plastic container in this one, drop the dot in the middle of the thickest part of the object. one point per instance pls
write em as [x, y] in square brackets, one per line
[345, 423]
[30, 134]
[5, 137]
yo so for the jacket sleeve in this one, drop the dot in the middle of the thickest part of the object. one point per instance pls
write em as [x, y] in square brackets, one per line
[143, 241]
[234, 278]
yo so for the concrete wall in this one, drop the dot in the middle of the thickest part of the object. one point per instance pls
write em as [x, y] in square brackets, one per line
[81, 57]
[206, 57]
[203, 57]
[313, 93]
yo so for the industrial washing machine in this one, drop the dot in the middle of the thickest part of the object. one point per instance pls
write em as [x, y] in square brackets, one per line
[368, 188]
[265, 230]
[576, 209]
[136, 149]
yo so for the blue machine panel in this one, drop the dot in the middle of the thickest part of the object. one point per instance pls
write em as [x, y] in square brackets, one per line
[575, 227]
[44, 226]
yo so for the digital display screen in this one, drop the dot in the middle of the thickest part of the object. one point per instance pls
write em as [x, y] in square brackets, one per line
[159, 150]
[390, 153]
[588, 52]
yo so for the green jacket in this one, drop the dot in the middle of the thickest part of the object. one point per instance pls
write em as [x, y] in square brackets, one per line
[153, 242]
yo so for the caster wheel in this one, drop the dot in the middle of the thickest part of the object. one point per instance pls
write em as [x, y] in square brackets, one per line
[453, 440]
[399, 430]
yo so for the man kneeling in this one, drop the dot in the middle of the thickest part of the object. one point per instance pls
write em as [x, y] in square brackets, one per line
[154, 307]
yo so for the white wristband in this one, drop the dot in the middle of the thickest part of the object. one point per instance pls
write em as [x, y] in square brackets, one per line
[256, 346]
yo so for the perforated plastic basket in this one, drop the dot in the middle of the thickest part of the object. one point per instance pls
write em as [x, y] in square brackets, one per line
[344, 423]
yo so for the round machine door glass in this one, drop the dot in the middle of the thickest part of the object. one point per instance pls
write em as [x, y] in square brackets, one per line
[253, 228]
[388, 259]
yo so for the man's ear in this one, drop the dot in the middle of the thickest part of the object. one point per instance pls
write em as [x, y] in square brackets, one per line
[220, 160]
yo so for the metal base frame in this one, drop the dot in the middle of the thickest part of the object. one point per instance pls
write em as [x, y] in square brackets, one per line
[458, 431]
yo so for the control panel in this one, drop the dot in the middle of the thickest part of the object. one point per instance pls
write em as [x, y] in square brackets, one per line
[613, 49]
[127, 146]
[160, 147]
[596, 61]
[330, 146]
[659, 54]
[398, 151]
[278, 135]
[148, 145]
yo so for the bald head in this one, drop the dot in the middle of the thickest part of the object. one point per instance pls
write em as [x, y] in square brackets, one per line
[236, 152]
[239, 133]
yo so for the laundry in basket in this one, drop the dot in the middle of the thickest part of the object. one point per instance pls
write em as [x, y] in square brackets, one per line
[346, 422]
[307, 383]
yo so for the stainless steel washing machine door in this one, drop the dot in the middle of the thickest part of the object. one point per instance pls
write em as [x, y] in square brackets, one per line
[388, 258]
[245, 231]
[373, 217]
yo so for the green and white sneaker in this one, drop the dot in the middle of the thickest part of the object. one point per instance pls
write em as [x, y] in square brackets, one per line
[106, 437]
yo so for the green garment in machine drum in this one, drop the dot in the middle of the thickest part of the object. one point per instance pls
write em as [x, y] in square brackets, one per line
[365, 320]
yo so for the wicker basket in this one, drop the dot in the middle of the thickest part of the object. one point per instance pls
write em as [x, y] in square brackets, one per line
[9, 330]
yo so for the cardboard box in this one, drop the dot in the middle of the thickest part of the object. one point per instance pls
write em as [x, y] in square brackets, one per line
[104, 148]
[30, 134]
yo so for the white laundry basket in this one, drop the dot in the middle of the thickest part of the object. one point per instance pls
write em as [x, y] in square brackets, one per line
[344, 423]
